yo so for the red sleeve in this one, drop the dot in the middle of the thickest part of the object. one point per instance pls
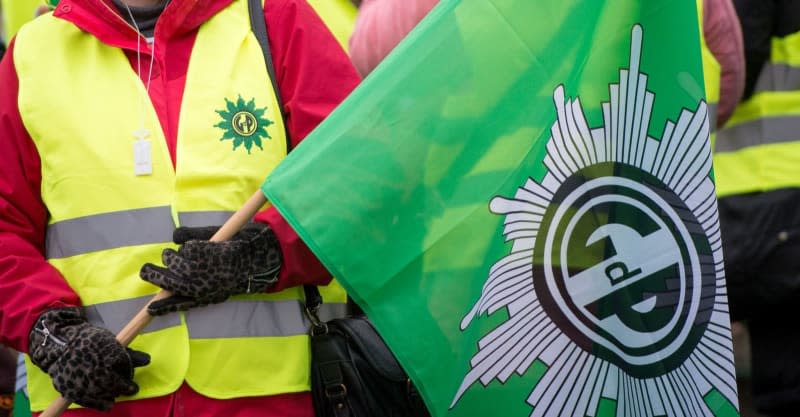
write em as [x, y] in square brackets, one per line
[28, 284]
[314, 75]
[723, 35]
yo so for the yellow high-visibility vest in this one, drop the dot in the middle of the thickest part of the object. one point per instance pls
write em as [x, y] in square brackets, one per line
[759, 148]
[16, 13]
[339, 16]
[80, 101]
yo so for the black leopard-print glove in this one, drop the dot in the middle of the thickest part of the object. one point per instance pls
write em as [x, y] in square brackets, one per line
[87, 364]
[201, 272]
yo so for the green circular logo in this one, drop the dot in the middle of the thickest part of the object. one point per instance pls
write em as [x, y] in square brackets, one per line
[244, 123]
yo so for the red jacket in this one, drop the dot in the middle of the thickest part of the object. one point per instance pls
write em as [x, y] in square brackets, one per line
[313, 74]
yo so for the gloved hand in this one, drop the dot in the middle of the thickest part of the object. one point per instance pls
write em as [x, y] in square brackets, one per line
[201, 272]
[88, 366]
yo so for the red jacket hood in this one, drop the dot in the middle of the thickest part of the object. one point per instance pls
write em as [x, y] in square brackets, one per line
[101, 19]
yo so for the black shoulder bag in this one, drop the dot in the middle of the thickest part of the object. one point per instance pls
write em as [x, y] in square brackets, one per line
[353, 372]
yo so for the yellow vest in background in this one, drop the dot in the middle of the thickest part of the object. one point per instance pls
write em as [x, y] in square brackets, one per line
[758, 150]
[16, 13]
[80, 101]
[339, 16]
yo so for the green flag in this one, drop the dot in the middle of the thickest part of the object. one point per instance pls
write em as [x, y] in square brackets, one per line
[521, 198]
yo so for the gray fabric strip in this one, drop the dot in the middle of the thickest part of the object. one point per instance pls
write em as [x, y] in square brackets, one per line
[253, 319]
[115, 315]
[778, 77]
[330, 311]
[108, 231]
[764, 131]
[712, 117]
[226, 320]
[203, 218]
[22, 375]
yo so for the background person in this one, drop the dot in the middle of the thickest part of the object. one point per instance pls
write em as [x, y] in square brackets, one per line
[380, 26]
[756, 162]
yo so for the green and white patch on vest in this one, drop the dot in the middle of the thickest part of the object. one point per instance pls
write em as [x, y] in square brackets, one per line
[244, 124]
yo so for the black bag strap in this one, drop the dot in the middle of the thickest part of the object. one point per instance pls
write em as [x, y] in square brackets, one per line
[259, 27]
[313, 301]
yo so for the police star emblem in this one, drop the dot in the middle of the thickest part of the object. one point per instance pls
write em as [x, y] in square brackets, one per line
[614, 286]
[244, 124]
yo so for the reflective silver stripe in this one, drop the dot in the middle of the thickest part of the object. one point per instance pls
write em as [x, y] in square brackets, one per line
[330, 311]
[203, 218]
[241, 318]
[109, 230]
[712, 116]
[115, 315]
[767, 130]
[778, 77]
